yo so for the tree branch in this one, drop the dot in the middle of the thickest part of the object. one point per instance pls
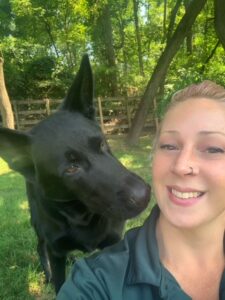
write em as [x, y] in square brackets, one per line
[209, 57]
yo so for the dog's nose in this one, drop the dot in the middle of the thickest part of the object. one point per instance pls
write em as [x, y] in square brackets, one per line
[136, 195]
[139, 196]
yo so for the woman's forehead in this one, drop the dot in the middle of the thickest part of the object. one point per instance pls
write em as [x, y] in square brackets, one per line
[196, 113]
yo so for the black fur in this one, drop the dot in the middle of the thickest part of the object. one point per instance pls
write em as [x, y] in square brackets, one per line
[79, 193]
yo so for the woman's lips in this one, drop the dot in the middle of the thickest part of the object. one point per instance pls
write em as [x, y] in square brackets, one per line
[184, 196]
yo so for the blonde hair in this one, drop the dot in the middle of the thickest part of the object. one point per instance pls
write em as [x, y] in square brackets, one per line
[206, 89]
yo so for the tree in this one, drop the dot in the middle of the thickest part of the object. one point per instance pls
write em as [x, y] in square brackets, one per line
[138, 36]
[161, 68]
[43, 42]
[5, 105]
[103, 42]
[219, 20]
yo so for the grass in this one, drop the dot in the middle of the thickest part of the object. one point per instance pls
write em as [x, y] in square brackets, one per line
[20, 273]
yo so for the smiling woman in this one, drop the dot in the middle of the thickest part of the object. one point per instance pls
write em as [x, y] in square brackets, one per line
[190, 189]
[179, 251]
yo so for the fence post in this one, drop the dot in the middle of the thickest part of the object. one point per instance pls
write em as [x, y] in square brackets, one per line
[101, 113]
[128, 111]
[155, 114]
[14, 103]
[47, 106]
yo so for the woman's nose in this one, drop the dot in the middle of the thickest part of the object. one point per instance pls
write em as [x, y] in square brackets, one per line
[185, 163]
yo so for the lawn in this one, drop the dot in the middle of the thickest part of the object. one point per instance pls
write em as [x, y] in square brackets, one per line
[20, 273]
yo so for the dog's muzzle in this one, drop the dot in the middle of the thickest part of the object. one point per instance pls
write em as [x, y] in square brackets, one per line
[134, 196]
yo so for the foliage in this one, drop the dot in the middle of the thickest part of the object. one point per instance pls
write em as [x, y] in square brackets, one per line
[43, 41]
[21, 277]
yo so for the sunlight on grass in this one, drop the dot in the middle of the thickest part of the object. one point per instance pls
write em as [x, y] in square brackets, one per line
[37, 287]
[4, 169]
[34, 286]
[148, 148]
[24, 205]
[12, 174]
[127, 160]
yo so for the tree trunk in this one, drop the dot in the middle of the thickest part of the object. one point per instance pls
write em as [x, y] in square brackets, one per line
[106, 35]
[164, 19]
[5, 105]
[189, 34]
[122, 46]
[138, 37]
[161, 68]
[219, 6]
[172, 19]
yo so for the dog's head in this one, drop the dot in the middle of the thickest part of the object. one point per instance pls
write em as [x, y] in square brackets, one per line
[68, 159]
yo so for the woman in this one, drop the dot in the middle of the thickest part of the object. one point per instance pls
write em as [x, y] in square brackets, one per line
[179, 251]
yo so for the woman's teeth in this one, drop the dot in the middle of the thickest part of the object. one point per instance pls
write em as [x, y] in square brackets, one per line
[186, 195]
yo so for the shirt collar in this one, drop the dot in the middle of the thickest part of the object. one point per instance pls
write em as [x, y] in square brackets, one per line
[222, 286]
[145, 266]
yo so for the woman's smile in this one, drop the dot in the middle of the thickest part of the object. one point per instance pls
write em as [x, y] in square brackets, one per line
[184, 196]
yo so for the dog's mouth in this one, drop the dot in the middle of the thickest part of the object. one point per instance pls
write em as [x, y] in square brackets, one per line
[128, 203]
[122, 199]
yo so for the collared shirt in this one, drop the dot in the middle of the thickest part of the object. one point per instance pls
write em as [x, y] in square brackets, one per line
[129, 270]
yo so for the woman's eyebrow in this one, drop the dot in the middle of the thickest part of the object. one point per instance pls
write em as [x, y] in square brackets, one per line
[170, 131]
[208, 132]
[203, 132]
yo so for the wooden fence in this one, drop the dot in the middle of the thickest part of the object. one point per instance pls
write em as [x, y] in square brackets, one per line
[113, 114]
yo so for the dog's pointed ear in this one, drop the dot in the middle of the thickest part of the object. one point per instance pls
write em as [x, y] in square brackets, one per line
[15, 149]
[80, 94]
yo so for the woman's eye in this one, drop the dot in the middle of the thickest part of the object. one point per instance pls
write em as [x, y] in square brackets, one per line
[213, 150]
[169, 147]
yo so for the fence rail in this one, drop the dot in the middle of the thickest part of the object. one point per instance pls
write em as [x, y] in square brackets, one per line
[113, 114]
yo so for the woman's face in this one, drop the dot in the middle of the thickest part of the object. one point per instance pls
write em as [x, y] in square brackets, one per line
[192, 135]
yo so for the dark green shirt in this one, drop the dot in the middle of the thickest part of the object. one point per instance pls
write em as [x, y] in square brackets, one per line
[129, 270]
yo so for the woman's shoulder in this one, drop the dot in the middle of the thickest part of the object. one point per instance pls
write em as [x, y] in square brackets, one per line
[129, 269]
[101, 274]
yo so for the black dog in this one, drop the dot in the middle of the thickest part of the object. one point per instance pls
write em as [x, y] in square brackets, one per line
[79, 193]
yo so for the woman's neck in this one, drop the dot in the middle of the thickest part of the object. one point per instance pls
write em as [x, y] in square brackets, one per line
[190, 254]
[181, 244]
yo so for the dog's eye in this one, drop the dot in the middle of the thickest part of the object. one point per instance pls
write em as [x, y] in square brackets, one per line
[73, 168]
[103, 146]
